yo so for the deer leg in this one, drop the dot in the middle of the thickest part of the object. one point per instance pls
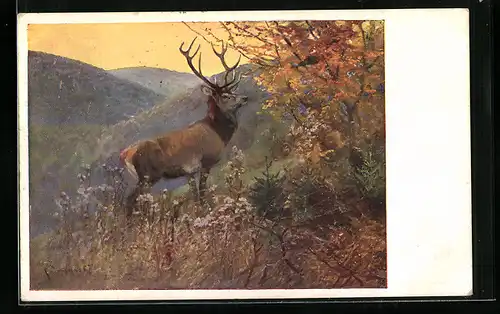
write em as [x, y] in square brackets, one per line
[203, 183]
[146, 188]
[194, 186]
[132, 198]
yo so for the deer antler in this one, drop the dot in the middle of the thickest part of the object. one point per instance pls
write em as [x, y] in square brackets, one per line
[189, 60]
[233, 83]
[221, 56]
[229, 69]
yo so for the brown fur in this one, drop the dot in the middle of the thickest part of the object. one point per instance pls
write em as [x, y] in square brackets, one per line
[179, 153]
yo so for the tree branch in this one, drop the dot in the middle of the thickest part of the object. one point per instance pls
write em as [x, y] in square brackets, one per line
[248, 33]
[311, 30]
[251, 269]
[344, 272]
[288, 42]
[257, 59]
[219, 40]
[196, 32]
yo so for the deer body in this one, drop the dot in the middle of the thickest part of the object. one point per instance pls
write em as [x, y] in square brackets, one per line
[192, 151]
[178, 153]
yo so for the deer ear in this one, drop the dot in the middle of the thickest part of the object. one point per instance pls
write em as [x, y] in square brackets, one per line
[206, 90]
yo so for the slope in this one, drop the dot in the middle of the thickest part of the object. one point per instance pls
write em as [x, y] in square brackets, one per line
[161, 81]
[66, 91]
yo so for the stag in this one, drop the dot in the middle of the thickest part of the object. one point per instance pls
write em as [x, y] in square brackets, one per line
[194, 150]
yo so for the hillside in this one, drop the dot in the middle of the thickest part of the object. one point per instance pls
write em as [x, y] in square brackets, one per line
[161, 81]
[66, 91]
[69, 104]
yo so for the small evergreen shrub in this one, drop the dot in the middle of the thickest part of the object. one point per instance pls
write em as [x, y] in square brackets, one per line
[370, 174]
[267, 192]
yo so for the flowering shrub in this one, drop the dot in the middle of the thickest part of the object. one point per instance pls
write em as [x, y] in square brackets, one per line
[307, 134]
[234, 170]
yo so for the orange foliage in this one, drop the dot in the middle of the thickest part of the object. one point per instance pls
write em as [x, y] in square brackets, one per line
[333, 67]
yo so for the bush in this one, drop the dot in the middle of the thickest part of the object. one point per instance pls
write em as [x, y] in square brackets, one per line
[266, 193]
[370, 174]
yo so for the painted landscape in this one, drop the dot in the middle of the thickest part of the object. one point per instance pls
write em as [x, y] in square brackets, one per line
[291, 146]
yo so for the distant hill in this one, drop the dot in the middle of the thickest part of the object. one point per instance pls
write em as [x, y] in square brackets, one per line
[161, 81]
[66, 91]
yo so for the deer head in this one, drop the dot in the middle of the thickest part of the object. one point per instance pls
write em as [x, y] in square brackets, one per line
[223, 101]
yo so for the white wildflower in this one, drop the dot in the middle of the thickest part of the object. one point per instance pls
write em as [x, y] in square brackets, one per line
[155, 208]
[145, 198]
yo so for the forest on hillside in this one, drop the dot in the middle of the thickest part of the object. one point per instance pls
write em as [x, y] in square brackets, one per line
[300, 205]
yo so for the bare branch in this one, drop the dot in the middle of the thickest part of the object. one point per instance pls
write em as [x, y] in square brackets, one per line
[250, 33]
[311, 30]
[290, 111]
[344, 272]
[256, 250]
[288, 42]
[260, 61]
[259, 38]
[196, 32]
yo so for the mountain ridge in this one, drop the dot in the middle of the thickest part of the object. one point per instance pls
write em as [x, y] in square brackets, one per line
[155, 79]
[67, 91]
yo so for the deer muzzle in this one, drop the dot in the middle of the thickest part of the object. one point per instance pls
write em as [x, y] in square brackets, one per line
[242, 101]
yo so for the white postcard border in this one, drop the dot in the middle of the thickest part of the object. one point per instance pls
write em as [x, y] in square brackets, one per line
[429, 233]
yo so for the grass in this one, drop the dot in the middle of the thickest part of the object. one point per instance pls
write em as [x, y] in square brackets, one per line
[178, 244]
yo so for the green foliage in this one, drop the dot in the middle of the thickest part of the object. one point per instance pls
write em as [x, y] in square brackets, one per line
[370, 175]
[267, 194]
[307, 194]
[298, 200]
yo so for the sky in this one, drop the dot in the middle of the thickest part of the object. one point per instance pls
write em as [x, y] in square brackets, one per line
[113, 46]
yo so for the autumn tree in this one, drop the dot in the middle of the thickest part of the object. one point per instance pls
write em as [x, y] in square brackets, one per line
[328, 76]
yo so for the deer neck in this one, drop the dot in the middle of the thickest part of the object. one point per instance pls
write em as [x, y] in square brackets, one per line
[223, 125]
